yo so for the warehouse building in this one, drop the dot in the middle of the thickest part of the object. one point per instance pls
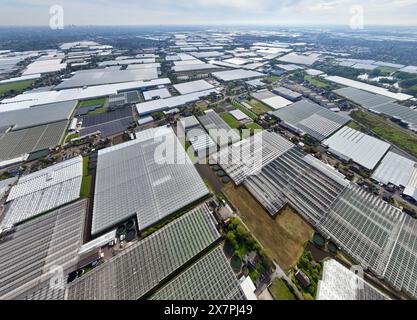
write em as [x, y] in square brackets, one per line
[123, 62]
[157, 105]
[193, 66]
[95, 77]
[370, 88]
[305, 117]
[365, 99]
[298, 58]
[141, 267]
[32, 99]
[42, 191]
[45, 64]
[238, 74]
[239, 115]
[161, 93]
[256, 84]
[185, 124]
[287, 93]
[193, 86]
[362, 149]
[132, 180]
[270, 99]
[399, 171]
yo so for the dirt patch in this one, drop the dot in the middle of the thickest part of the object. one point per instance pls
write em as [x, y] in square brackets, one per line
[283, 237]
[207, 173]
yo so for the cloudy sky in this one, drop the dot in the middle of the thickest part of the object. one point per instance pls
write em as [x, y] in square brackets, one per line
[197, 12]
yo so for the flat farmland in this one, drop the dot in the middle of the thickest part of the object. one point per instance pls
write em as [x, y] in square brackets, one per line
[283, 237]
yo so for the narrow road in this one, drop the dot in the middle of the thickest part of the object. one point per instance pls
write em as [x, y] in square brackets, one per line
[279, 273]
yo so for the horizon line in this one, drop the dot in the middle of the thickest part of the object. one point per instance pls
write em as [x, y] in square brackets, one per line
[213, 25]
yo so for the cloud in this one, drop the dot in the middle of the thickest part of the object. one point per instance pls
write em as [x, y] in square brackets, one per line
[138, 12]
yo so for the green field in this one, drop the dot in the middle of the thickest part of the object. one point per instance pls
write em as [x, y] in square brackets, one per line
[258, 107]
[354, 125]
[249, 113]
[271, 79]
[402, 138]
[315, 82]
[16, 86]
[230, 120]
[92, 102]
[253, 126]
[280, 291]
[85, 187]
[85, 166]
[98, 111]
[86, 180]
[387, 70]
[409, 85]
[71, 136]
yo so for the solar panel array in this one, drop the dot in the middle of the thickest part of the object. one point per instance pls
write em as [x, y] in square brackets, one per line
[375, 234]
[108, 123]
[104, 117]
[30, 254]
[134, 179]
[218, 129]
[142, 266]
[248, 156]
[17, 143]
[211, 278]
[109, 128]
[310, 118]
[82, 111]
[43, 190]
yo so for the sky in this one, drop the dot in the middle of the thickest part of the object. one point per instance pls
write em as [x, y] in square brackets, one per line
[209, 12]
